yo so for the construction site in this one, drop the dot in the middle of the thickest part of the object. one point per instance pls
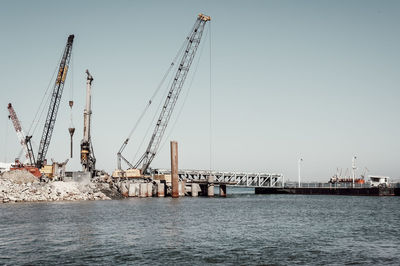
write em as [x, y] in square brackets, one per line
[130, 179]
[38, 179]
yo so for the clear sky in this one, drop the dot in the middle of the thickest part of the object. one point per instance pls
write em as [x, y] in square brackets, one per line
[312, 79]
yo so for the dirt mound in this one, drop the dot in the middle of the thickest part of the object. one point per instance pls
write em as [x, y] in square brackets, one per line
[19, 177]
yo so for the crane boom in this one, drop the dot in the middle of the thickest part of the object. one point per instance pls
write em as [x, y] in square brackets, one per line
[24, 140]
[193, 41]
[88, 160]
[54, 103]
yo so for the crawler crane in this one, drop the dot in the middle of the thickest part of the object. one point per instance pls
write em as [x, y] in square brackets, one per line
[191, 45]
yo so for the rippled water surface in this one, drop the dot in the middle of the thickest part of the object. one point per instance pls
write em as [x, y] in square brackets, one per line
[240, 229]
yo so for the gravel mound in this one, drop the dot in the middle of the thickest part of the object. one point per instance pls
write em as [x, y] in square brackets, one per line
[22, 186]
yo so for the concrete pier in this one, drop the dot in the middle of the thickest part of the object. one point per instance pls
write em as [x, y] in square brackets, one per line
[132, 190]
[160, 190]
[195, 190]
[210, 186]
[149, 189]
[368, 191]
[183, 188]
[174, 169]
[222, 190]
[143, 190]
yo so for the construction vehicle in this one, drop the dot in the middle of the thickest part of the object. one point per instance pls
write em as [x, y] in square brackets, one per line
[54, 103]
[142, 165]
[25, 141]
[88, 159]
[26, 146]
[29, 156]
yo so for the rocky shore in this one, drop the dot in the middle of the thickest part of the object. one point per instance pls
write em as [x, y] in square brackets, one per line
[22, 186]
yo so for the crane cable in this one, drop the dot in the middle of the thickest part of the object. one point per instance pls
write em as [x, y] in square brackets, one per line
[186, 95]
[211, 107]
[155, 92]
[151, 123]
[41, 107]
[71, 91]
[180, 52]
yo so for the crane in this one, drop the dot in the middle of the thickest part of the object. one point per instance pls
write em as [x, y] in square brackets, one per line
[54, 103]
[88, 160]
[23, 140]
[192, 43]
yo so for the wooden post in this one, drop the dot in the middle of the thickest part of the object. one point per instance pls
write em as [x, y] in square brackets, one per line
[174, 169]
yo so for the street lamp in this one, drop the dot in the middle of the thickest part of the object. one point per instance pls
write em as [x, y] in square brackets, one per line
[299, 167]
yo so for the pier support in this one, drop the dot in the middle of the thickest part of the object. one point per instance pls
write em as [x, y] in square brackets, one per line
[160, 190]
[174, 169]
[222, 190]
[210, 186]
[143, 190]
[195, 190]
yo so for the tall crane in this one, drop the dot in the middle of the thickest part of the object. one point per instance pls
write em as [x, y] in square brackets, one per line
[54, 103]
[88, 160]
[192, 43]
[23, 140]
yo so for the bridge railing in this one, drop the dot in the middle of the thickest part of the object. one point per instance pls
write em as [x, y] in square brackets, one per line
[230, 178]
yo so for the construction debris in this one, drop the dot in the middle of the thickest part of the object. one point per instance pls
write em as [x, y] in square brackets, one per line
[22, 186]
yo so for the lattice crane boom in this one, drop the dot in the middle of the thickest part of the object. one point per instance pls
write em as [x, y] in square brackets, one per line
[193, 41]
[23, 140]
[54, 103]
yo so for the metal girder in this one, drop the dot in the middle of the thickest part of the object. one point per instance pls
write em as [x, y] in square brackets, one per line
[239, 179]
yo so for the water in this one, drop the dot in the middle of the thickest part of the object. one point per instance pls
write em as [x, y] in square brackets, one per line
[240, 229]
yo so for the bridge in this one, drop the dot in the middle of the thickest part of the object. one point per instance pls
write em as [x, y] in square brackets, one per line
[237, 179]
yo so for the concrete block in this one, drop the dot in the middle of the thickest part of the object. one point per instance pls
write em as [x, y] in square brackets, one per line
[124, 189]
[132, 190]
[149, 189]
[210, 186]
[195, 190]
[143, 190]
[160, 190]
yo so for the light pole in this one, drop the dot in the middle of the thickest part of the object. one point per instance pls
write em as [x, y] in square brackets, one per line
[299, 167]
[354, 168]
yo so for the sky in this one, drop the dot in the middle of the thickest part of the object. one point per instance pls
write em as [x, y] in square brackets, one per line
[272, 82]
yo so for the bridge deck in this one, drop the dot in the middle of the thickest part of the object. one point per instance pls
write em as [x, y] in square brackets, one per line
[238, 179]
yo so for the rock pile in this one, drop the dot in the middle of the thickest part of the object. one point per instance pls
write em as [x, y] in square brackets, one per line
[20, 186]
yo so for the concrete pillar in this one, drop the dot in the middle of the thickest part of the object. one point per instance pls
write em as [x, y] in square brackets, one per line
[132, 190]
[182, 188]
[210, 186]
[195, 190]
[160, 190]
[222, 190]
[124, 189]
[174, 169]
[149, 189]
[143, 190]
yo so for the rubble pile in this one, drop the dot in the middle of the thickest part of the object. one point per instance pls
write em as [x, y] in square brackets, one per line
[22, 186]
